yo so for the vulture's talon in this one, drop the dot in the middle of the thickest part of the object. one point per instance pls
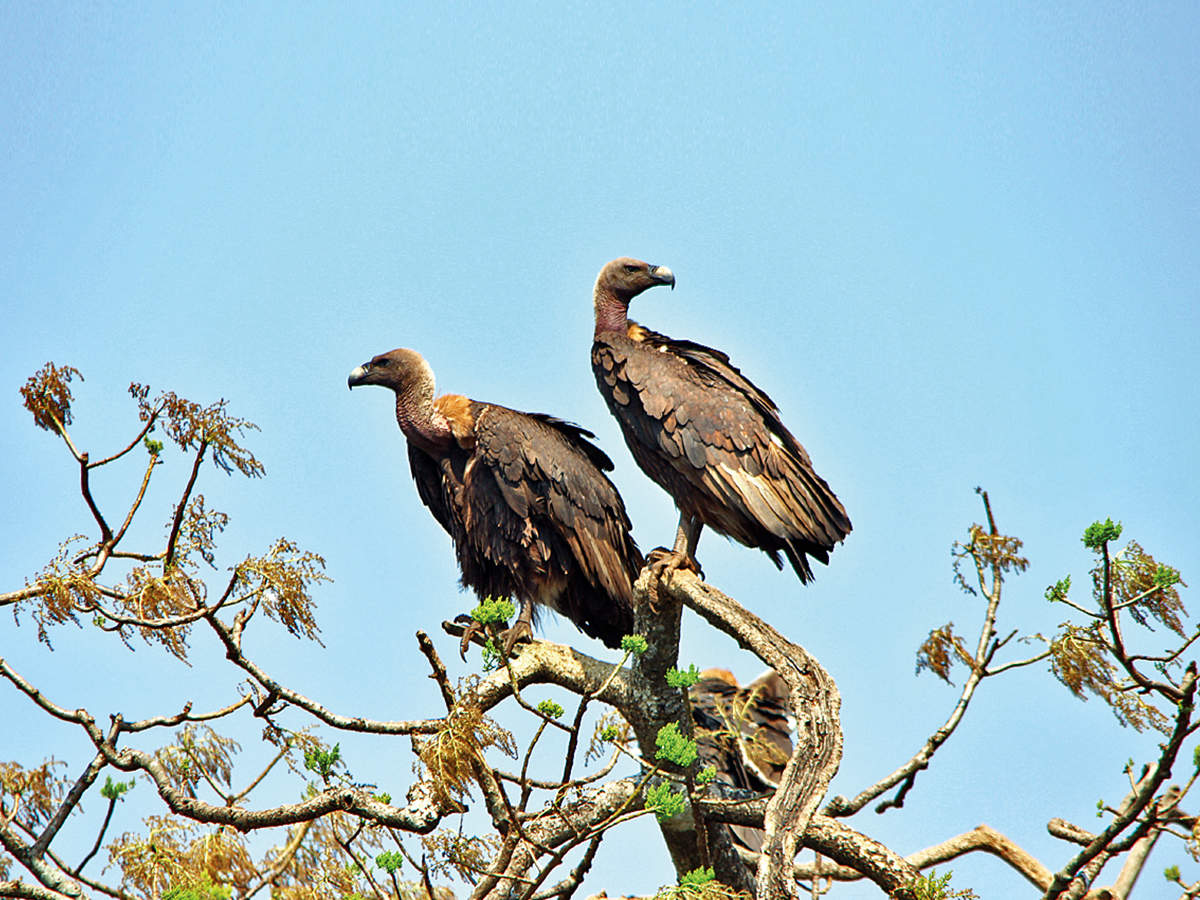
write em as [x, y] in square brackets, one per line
[663, 563]
[474, 630]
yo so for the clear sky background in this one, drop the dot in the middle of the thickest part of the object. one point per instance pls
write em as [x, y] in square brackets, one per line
[957, 245]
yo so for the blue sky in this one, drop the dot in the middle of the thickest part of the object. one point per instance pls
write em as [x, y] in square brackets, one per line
[955, 243]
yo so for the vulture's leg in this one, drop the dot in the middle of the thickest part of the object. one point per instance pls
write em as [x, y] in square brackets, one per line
[664, 562]
[522, 629]
[687, 536]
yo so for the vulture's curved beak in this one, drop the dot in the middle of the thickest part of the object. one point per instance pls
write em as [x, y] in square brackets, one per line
[358, 376]
[663, 275]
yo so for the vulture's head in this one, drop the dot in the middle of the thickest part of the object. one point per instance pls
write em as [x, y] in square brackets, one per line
[400, 369]
[625, 278]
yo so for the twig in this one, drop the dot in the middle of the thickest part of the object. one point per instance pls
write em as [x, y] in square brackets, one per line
[79, 716]
[567, 887]
[980, 839]
[282, 861]
[237, 798]
[184, 715]
[182, 507]
[137, 502]
[86, 489]
[573, 742]
[349, 851]
[112, 805]
[1017, 664]
[334, 720]
[137, 440]
[521, 701]
[1170, 657]
[90, 882]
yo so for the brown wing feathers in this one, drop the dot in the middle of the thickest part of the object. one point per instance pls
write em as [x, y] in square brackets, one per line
[735, 467]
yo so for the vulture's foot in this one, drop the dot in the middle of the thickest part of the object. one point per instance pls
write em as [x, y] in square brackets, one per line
[521, 631]
[664, 563]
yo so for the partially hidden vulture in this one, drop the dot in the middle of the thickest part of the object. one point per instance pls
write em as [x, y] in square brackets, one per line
[524, 498]
[745, 733]
[708, 436]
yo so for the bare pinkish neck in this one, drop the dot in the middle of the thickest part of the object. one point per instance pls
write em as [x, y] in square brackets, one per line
[421, 423]
[612, 313]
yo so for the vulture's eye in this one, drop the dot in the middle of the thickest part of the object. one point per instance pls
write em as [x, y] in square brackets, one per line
[377, 364]
[631, 268]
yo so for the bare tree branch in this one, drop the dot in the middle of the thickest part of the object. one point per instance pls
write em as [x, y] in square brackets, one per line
[276, 690]
[68, 805]
[85, 488]
[421, 816]
[108, 814]
[182, 507]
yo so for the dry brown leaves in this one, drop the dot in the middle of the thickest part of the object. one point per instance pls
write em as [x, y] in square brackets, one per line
[30, 796]
[941, 650]
[65, 588]
[1134, 577]
[199, 753]
[280, 580]
[450, 756]
[47, 395]
[987, 551]
[178, 853]
[1081, 660]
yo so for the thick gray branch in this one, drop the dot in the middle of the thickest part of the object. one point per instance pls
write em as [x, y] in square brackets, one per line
[22, 889]
[56, 883]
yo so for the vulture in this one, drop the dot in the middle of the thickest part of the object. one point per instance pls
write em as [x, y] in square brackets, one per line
[745, 733]
[707, 435]
[523, 497]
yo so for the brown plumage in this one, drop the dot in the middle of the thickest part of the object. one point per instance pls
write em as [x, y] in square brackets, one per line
[708, 436]
[745, 733]
[524, 498]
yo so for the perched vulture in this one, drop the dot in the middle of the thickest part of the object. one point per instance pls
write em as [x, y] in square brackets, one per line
[745, 733]
[707, 435]
[524, 498]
